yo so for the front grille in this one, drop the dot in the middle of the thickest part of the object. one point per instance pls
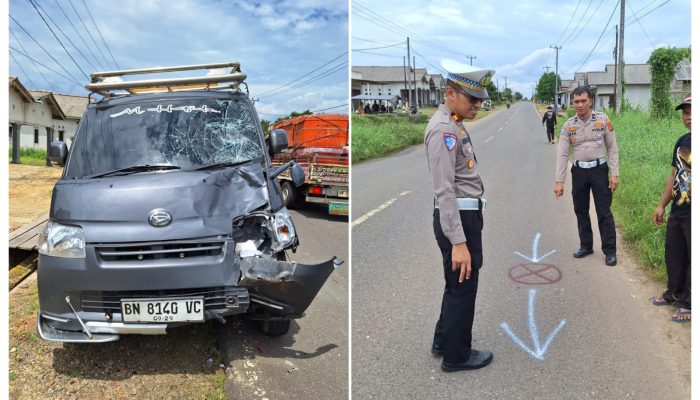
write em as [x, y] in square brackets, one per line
[159, 250]
[214, 298]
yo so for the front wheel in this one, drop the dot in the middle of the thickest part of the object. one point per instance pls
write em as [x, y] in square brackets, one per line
[290, 196]
[275, 327]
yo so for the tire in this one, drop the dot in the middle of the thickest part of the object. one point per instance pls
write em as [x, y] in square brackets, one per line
[275, 327]
[290, 195]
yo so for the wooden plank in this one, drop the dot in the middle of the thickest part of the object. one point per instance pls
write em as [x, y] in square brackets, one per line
[26, 237]
[20, 271]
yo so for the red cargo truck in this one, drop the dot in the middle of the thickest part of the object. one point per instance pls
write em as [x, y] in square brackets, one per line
[320, 145]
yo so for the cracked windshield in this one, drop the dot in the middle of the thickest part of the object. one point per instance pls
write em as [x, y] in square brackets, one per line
[189, 134]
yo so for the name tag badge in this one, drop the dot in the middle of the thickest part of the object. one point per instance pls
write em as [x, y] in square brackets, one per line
[470, 164]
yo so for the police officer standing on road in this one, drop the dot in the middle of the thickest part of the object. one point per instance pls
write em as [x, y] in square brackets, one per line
[550, 117]
[591, 135]
[457, 218]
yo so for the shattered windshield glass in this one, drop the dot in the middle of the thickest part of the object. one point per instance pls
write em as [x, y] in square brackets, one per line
[188, 133]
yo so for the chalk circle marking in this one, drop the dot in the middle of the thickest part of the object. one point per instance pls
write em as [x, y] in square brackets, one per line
[535, 274]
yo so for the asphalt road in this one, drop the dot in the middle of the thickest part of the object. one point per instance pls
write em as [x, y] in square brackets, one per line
[597, 334]
[312, 360]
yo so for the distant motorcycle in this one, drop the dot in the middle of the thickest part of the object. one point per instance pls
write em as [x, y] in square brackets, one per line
[507, 105]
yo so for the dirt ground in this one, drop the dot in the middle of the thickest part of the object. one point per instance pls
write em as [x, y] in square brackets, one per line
[185, 364]
[30, 192]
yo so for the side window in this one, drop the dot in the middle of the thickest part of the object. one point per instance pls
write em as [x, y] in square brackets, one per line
[36, 136]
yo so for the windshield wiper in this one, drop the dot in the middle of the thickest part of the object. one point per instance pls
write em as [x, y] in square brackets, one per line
[133, 169]
[222, 165]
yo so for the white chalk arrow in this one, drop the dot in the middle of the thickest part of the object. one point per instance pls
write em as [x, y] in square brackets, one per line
[534, 258]
[538, 349]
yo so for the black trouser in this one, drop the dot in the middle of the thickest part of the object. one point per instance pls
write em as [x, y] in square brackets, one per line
[453, 331]
[583, 182]
[678, 261]
[550, 133]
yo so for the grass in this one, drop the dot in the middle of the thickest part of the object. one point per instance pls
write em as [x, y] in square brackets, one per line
[382, 134]
[30, 156]
[646, 147]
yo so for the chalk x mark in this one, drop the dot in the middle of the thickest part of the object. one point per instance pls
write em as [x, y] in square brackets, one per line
[535, 244]
[378, 209]
[538, 351]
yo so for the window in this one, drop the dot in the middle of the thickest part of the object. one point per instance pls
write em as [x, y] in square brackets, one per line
[36, 136]
[60, 135]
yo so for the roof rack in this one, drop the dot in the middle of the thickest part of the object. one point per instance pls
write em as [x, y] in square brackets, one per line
[107, 82]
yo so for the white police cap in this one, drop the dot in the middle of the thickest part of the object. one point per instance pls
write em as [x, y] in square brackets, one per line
[472, 79]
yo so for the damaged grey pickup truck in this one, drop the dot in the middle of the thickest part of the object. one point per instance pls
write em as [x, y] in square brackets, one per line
[169, 213]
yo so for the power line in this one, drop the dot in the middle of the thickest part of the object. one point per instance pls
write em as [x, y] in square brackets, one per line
[335, 69]
[315, 111]
[641, 26]
[35, 66]
[81, 37]
[585, 25]
[601, 35]
[59, 40]
[100, 32]
[80, 18]
[52, 70]
[60, 30]
[42, 47]
[569, 24]
[383, 47]
[579, 23]
[302, 77]
[23, 71]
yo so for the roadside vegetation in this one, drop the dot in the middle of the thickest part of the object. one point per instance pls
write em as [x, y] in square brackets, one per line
[29, 156]
[382, 134]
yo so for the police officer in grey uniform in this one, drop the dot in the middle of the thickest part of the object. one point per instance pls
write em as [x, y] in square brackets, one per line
[457, 218]
[592, 137]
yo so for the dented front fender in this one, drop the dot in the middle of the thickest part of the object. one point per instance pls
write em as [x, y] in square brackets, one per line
[288, 288]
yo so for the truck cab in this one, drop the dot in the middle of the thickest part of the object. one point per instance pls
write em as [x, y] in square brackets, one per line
[169, 212]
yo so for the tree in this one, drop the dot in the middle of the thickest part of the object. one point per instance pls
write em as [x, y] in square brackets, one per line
[294, 114]
[518, 96]
[508, 94]
[662, 66]
[545, 86]
[265, 124]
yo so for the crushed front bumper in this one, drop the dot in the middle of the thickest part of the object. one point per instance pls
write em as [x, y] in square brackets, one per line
[91, 312]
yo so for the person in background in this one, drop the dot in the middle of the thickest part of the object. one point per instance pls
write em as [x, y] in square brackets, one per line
[677, 189]
[550, 118]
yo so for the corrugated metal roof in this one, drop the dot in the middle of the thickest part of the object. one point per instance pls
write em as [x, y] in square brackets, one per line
[388, 74]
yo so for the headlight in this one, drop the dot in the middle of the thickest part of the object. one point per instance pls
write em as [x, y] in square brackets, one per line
[62, 241]
[283, 229]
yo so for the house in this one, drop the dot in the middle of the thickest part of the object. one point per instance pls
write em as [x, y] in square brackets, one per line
[372, 81]
[39, 114]
[637, 79]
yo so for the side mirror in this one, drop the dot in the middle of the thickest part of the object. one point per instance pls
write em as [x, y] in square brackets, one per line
[298, 176]
[278, 140]
[58, 152]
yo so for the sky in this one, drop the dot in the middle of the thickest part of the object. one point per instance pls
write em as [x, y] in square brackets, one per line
[515, 37]
[295, 53]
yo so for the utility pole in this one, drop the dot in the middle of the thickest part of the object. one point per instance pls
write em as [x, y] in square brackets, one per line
[415, 85]
[405, 81]
[547, 68]
[408, 50]
[614, 105]
[470, 59]
[556, 77]
[621, 59]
